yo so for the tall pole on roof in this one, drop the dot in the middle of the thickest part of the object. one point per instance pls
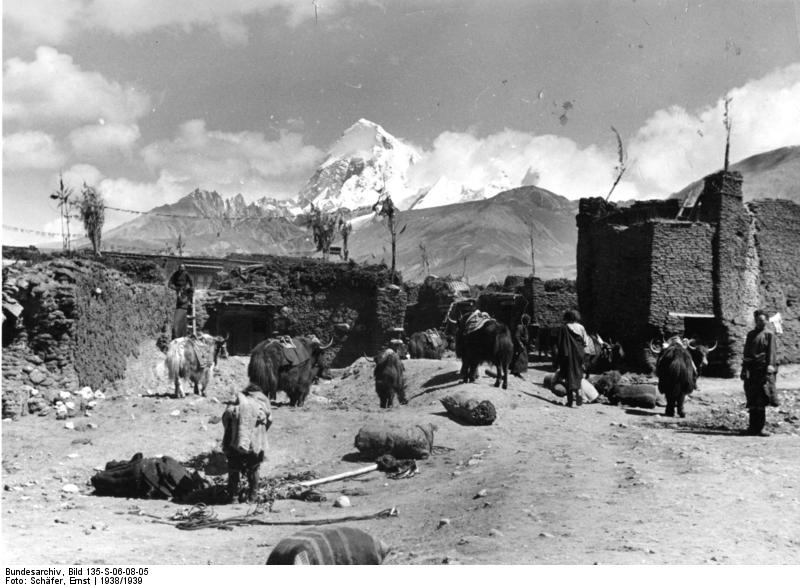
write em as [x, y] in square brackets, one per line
[728, 122]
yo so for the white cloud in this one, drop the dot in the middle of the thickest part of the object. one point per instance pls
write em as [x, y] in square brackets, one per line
[52, 89]
[31, 150]
[98, 140]
[54, 22]
[77, 175]
[233, 163]
[562, 166]
[676, 147]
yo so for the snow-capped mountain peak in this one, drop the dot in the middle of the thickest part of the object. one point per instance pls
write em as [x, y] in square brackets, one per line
[362, 165]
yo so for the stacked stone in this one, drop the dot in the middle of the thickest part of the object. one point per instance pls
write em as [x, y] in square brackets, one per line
[390, 315]
[551, 302]
[79, 323]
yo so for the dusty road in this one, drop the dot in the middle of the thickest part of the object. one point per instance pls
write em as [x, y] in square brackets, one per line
[543, 485]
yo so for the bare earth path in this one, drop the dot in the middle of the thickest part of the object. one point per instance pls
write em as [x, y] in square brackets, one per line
[599, 484]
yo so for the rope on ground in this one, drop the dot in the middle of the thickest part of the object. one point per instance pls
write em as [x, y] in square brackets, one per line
[199, 517]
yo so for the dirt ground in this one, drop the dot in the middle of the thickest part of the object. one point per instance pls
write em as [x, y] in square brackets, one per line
[543, 485]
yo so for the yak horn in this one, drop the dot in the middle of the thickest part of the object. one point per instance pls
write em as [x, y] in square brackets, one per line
[653, 348]
[713, 347]
[327, 346]
[449, 319]
[690, 343]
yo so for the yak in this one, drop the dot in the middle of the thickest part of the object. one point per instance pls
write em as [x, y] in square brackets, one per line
[426, 345]
[194, 358]
[490, 342]
[677, 370]
[290, 365]
[389, 378]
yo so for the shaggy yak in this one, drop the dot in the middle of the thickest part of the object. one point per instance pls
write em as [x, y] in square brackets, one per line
[194, 358]
[679, 363]
[390, 378]
[482, 339]
[275, 365]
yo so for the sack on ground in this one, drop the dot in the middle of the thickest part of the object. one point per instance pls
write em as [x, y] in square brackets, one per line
[640, 395]
[469, 409]
[588, 391]
[554, 384]
[402, 442]
[332, 545]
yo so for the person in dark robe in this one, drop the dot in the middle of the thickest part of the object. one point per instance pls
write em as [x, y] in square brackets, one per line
[181, 282]
[759, 370]
[519, 364]
[570, 352]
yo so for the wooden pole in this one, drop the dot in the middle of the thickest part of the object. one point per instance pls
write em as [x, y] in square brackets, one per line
[339, 476]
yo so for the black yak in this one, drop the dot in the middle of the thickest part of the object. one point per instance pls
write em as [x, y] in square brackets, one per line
[480, 339]
[390, 378]
[677, 370]
[290, 367]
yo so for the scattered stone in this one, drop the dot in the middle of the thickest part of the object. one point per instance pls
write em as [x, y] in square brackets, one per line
[175, 413]
[342, 502]
[495, 533]
[443, 522]
[73, 455]
[70, 488]
[99, 526]
[481, 493]
[545, 535]
[69, 425]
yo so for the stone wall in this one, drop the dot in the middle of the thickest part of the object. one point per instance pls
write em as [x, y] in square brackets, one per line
[80, 321]
[551, 299]
[320, 296]
[777, 239]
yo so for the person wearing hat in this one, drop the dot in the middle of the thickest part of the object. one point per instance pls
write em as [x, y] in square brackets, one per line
[759, 370]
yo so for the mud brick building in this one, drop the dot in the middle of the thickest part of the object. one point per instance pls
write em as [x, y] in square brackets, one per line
[322, 297]
[697, 268]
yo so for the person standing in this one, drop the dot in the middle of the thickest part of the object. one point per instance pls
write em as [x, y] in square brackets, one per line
[571, 346]
[759, 370]
[519, 364]
[246, 421]
[181, 282]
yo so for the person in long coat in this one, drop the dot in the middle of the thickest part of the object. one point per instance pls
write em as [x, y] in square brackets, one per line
[181, 282]
[570, 352]
[759, 370]
[519, 364]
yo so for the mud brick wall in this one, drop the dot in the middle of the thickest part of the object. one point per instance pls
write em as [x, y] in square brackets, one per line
[777, 240]
[681, 272]
[79, 324]
[320, 295]
[614, 270]
[734, 295]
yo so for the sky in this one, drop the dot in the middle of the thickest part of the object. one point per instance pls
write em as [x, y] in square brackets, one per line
[147, 100]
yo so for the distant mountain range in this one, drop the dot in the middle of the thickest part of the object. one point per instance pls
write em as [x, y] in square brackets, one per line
[473, 233]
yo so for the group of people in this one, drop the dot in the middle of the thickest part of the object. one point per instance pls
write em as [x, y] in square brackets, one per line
[759, 366]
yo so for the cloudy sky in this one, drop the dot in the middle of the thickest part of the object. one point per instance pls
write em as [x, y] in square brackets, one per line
[148, 99]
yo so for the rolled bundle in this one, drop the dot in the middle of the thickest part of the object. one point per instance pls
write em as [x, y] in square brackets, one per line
[332, 545]
[402, 442]
[640, 395]
[470, 410]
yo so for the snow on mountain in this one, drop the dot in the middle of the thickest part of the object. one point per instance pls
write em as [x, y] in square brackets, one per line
[446, 192]
[364, 161]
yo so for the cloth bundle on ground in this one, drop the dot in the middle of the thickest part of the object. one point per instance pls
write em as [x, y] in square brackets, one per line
[332, 545]
[475, 321]
[148, 478]
[555, 384]
[402, 442]
[605, 382]
[467, 408]
[638, 395]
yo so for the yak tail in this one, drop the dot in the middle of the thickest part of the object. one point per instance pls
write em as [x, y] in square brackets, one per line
[261, 372]
[175, 360]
